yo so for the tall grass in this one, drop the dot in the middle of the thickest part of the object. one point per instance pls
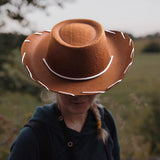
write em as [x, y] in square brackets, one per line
[135, 106]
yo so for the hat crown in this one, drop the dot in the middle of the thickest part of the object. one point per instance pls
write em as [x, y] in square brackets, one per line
[77, 34]
[77, 49]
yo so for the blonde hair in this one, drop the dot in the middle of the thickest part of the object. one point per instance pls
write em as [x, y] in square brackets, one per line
[102, 133]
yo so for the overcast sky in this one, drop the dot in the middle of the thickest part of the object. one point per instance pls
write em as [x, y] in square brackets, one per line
[138, 17]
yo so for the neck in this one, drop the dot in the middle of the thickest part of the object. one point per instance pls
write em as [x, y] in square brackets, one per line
[74, 117]
[74, 121]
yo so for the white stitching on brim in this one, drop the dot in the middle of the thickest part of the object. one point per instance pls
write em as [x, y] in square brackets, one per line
[78, 79]
[27, 40]
[130, 41]
[62, 92]
[110, 31]
[88, 92]
[48, 30]
[127, 67]
[43, 84]
[114, 83]
[37, 80]
[23, 57]
[131, 56]
[123, 35]
[38, 33]
[29, 72]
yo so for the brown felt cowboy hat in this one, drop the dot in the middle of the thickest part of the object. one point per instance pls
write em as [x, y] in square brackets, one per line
[77, 57]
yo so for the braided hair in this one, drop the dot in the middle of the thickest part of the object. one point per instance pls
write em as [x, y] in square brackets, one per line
[102, 133]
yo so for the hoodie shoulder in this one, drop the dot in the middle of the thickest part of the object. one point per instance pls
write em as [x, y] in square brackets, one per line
[25, 147]
[44, 114]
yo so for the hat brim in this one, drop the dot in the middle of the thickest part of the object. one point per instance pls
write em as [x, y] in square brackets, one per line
[34, 49]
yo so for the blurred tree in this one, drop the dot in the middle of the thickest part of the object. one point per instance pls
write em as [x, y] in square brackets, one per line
[152, 47]
[13, 77]
[17, 9]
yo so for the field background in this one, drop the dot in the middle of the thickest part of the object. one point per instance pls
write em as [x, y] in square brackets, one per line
[134, 102]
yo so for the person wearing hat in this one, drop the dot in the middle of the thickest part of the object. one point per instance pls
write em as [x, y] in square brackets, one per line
[77, 60]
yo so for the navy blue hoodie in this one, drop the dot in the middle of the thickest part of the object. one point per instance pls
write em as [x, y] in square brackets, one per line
[86, 144]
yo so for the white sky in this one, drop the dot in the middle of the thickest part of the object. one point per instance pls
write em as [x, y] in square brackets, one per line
[138, 17]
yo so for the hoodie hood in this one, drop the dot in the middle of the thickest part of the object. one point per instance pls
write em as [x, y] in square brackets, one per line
[45, 114]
